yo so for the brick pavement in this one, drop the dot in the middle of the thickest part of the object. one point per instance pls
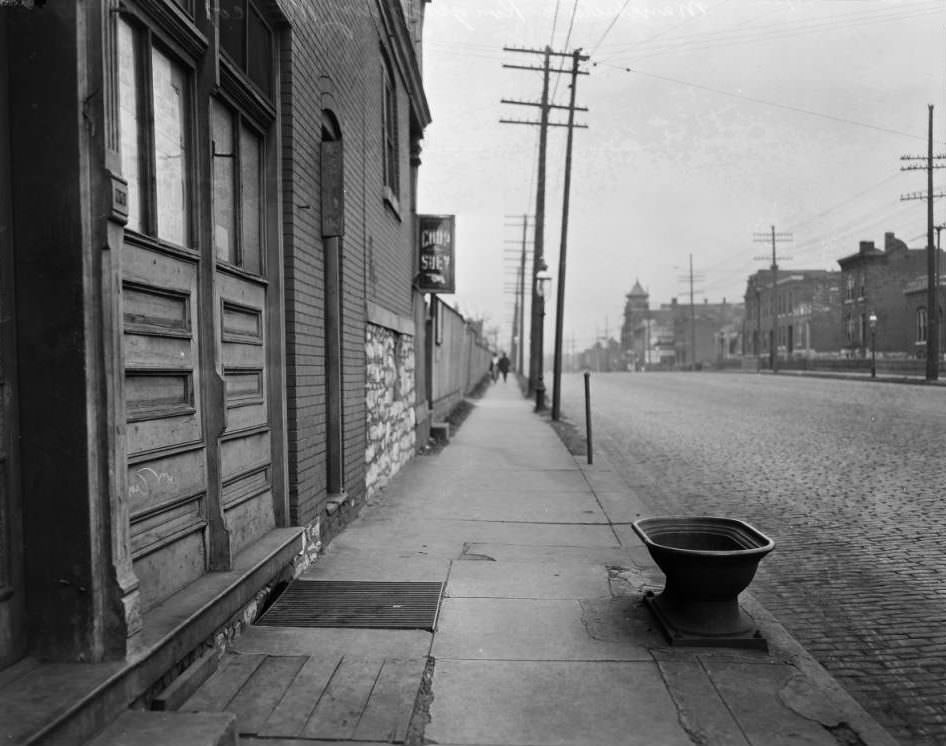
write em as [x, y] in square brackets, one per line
[846, 476]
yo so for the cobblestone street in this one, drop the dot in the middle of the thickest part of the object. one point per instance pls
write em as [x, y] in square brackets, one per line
[848, 478]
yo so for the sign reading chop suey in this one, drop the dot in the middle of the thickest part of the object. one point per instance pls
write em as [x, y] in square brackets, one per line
[436, 270]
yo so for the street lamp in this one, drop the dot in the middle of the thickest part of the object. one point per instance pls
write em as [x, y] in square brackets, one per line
[872, 321]
[543, 279]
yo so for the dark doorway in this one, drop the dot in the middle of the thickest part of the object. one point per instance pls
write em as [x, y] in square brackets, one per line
[333, 230]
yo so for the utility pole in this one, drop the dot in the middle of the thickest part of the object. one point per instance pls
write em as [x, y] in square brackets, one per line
[514, 334]
[606, 346]
[517, 259]
[577, 59]
[536, 384]
[939, 254]
[775, 238]
[932, 313]
[521, 295]
[690, 278]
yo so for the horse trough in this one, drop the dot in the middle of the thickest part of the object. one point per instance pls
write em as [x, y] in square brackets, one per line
[708, 562]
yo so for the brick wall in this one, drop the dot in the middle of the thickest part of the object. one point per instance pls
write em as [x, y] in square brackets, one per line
[333, 60]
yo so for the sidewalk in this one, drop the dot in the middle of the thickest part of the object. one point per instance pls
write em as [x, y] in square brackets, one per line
[541, 638]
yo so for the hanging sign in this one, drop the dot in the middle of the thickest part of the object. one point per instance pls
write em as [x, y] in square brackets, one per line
[436, 270]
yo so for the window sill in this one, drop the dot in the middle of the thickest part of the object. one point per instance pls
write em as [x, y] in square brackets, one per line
[391, 200]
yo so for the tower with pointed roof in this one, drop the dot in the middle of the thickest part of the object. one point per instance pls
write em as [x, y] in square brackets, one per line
[636, 306]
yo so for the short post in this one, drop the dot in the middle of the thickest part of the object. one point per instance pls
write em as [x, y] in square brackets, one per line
[588, 416]
[872, 320]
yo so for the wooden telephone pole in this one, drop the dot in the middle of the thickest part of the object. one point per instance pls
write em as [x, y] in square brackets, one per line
[577, 59]
[932, 312]
[775, 238]
[536, 383]
[516, 261]
[691, 356]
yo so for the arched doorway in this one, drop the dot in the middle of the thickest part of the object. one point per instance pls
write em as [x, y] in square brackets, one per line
[333, 229]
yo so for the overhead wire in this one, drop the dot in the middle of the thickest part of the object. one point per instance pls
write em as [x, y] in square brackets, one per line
[554, 22]
[763, 102]
[610, 26]
[639, 50]
[669, 29]
[758, 28]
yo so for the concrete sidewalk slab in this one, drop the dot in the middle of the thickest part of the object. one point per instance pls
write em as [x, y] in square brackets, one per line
[552, 703]
[350, 563]
[447, 536]
[521, 629]
[527, 580]
[498, 552]
[575, 506]
[506, 454]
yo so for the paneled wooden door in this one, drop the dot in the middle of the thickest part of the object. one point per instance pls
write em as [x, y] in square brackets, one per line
[196, 304]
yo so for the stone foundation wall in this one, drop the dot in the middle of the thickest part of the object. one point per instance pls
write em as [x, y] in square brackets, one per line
[389, 400]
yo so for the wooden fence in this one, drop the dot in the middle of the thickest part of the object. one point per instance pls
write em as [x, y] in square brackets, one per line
[459, 357]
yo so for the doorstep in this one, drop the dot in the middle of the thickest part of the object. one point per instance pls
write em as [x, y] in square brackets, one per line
[68, 703]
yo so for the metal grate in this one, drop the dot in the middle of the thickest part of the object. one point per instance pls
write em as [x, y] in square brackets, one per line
[366, 604]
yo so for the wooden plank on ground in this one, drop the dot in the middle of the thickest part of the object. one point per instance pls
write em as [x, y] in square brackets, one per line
[219, 689]
[262, 692]
[339, 710]
[391, 703]
[293, 711]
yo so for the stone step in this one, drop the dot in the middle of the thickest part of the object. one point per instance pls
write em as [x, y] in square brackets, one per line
[137, 727]
[440, 431]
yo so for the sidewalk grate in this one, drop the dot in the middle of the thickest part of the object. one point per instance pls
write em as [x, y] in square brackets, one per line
[365, 604]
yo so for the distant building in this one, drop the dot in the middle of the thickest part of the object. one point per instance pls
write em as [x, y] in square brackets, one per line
[807, 317]
[917, 301]
[697, 330]
[892, 284]
[678, 334]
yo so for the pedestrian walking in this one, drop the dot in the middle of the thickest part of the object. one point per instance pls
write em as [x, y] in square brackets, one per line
[494, 368]
[503, 365]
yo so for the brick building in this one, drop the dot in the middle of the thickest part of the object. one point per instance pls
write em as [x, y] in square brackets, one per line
[665, 336]
[917, 301]
[807, 319]
[211, 346]
[698, 329]
[891, 283]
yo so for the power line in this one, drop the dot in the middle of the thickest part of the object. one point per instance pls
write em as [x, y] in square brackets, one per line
[571, 25]
[554, 22]
[676, 26]
[610, 26]
[568, 37]
[744, 33]
[786, 107]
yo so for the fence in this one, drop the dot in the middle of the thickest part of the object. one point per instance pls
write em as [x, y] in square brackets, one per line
[459, 358]
[901, 366]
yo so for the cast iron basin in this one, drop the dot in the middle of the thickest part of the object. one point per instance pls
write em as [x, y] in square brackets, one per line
[708, 562]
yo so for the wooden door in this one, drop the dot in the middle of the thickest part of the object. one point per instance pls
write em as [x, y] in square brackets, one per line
[243, 347]
[195, 304]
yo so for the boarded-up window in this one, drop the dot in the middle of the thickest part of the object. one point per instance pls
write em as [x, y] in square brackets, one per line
[238, 190]
[153, 123]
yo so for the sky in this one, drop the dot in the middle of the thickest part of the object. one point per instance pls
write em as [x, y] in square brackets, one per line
[707, 122]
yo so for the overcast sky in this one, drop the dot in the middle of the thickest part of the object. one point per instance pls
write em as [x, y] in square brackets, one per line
[708, 122]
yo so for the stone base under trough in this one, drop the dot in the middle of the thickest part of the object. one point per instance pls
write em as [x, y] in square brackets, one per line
[683, 632]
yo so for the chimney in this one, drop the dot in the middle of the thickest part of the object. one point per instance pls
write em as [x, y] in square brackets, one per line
[868, 246]
[892, 243]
